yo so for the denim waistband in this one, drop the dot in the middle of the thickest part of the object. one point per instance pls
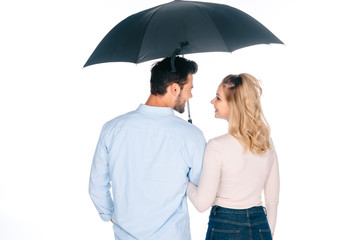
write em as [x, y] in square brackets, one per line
[217, 209]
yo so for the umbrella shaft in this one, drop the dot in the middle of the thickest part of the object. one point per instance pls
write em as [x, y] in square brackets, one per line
[189, 115]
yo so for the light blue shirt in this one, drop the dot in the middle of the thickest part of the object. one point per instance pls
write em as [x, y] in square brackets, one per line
[146, 157]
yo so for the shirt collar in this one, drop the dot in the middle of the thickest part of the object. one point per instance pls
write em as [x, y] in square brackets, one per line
[155, 110]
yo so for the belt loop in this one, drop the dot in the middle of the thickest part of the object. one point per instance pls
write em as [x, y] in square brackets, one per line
[247, 212]
[265, 211]
[215, 210]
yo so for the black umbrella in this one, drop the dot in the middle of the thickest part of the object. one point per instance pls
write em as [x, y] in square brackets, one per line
[180, 27]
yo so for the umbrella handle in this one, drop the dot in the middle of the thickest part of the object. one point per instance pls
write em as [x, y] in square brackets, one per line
[176, 52]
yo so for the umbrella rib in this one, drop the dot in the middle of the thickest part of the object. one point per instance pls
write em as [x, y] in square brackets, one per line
[217, 29]
[159, 7]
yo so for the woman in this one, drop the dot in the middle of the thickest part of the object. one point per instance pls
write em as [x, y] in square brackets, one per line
[238, 166]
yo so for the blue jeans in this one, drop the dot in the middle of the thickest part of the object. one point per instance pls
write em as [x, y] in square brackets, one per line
[238, 224]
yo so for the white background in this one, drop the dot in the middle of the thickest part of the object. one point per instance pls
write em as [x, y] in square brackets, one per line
[52, 111]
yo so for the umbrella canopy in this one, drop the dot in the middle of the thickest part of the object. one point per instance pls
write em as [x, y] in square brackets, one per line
[180, 27]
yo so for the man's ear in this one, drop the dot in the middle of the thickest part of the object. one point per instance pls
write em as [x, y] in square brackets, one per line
[174, 89]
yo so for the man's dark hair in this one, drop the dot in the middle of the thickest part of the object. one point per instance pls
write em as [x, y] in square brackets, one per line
[162, 75]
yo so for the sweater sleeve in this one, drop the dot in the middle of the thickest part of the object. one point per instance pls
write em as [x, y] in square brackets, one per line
[271, 192]
[204, 195]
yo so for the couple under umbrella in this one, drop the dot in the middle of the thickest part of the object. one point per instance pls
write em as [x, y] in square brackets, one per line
[152, 160]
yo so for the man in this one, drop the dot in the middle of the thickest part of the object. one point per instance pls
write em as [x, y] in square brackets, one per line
[147, 157]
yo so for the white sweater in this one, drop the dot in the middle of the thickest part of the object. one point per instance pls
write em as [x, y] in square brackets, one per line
[232, 178]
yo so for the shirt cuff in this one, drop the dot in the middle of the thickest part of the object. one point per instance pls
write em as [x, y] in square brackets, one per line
[105, 217]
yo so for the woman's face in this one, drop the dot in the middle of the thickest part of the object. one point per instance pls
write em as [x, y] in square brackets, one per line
[222, 107]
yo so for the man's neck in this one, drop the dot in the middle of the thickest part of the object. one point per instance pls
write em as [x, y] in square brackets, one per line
[158, 101]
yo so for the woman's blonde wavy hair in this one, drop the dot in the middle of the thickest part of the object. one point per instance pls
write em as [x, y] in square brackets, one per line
[247, 122]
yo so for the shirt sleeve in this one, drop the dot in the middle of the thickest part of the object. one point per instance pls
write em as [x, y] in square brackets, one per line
[196, 155]
[271, 192]
[204, 195]
[99, 184]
